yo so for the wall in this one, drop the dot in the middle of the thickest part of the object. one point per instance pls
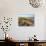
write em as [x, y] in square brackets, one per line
[11, 8]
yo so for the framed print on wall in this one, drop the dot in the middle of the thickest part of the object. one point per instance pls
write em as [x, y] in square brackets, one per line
[25, 20]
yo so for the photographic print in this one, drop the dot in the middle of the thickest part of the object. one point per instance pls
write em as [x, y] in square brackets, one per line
[26, 21]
